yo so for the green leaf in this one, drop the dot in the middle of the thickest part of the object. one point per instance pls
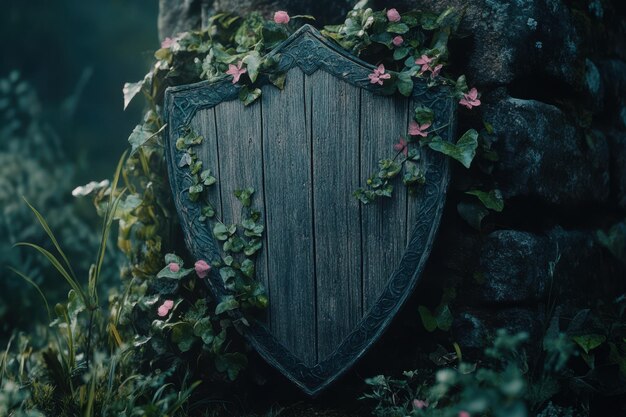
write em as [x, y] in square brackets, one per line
[400, 53]
[221, 232]
[231, 363]
[254, 245]
[424, 114]
[405, 84]
[589, 342]
[130, 90]
[234, 244]
[248, 96]
[206, 178]
[428, 320]
[278, 80]
[140, 136]
[253, 63]
[463, 151]
[245, 196]
[492, 200]
[228, 303]
[204, 330]
[472, 213]
[247, 268]
[167, 273]
[182, 336]
[399, 28]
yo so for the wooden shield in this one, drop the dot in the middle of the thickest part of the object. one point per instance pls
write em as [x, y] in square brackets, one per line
[336, 272]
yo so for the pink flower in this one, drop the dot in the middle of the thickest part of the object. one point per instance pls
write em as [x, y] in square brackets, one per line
[464, 414]
[281, 17]
[165, 308]
[435, 71]
[202, 268]
[163, 311]
[397, 41]
[379, 75]
[424, 61]
[174, 267]
[470, 99]
[401, 146]
[168, 43]
[393, 15]
[420, 404]
[236, 71]
[415, 129]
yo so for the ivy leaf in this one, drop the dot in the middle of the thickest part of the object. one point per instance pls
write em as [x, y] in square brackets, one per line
[463, 151]
[400, 53]
[206, 178]
[247, 268]
[253, 247]
[472, 213]
[244, 196]
[185, 160]
[492, 200]
[424, 115]
[182, 336]
[231, 363]
[130, 90]
[248, 96]
[221, 232]
[589, 342]
[399, 28]
[166, 273]
[278, 80]
[441, 319]
[228, 303]
[204, 330]
[405, 84]
[140, 135]
[253, 63]
[234, 244]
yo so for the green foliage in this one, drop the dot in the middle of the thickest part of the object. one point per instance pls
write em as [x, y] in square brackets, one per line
[496, 387]
[615, 240]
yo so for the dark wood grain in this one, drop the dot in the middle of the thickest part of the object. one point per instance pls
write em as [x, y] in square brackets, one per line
[383, 121]
[289, 213]
[240, 134]
[335, 126]
[204, 124]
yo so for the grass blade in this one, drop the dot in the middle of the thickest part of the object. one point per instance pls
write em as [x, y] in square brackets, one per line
[55, 262]
[31, 282]
[50, 234]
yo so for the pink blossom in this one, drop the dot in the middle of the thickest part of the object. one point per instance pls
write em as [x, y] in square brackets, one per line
[168, 43]
[397, 41]
[281, 17]
[464, 414]
[470, 99]
[202, 268]
[236, 71]
[169, 304]
[424, 61]
[420, 404]
[435, 71]
[415, 129]
[393, 15]
[174, 267]
[401, 146]
[379, 75]
[163, 311]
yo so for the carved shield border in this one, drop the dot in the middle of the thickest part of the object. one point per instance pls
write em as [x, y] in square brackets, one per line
[310, 51]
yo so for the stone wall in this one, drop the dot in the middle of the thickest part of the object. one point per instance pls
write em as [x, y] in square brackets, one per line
[553, 77]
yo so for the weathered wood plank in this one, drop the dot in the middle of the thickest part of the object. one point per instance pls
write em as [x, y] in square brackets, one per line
[383, 121]
[239, 130]
[335, 126]
[290, 248]
[203, 123]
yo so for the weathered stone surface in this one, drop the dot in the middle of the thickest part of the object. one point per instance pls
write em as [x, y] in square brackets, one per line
[473, 328]
[177, 16]
[181, 15]
[617, 143]
[516, 39]
[543, 156]
[613, 74]
[521, 267]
